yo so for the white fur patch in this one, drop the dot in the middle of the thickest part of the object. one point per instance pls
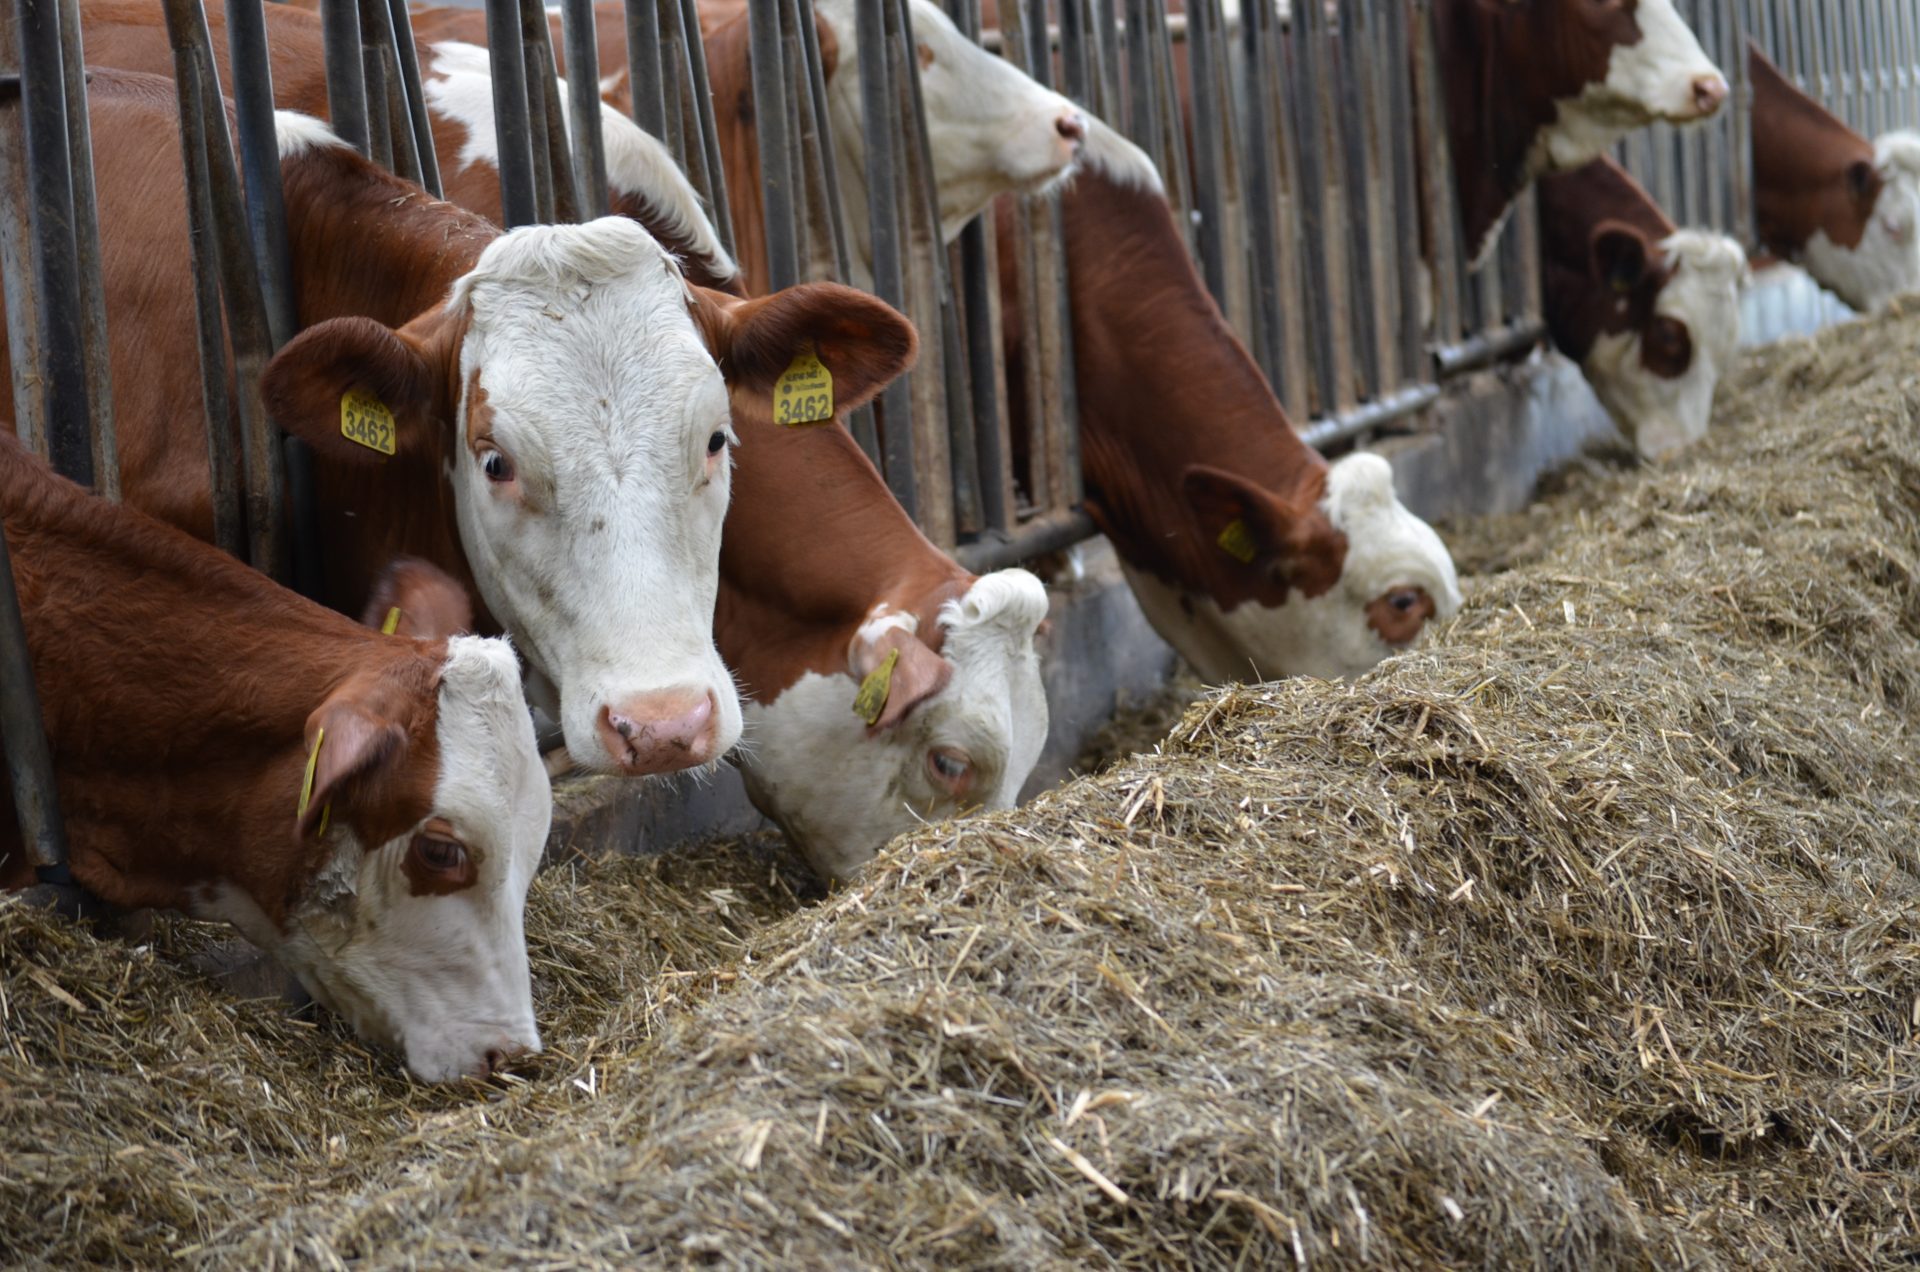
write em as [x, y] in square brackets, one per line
[602, 555]
[1663, 416]
[1326, 635]
[298, 133]
[459, 87]
[841, 795]
[992, 129]
[1650, 79]
[1886, 262]
[1107, 152]
[442, 979]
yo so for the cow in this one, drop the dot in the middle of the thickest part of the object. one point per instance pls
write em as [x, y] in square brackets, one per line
[1249, 553]
[1535, 86]
[1651, 313]
[991, 129]
[368, 809]
[538, 382]
[805, 619]
[1827, 198]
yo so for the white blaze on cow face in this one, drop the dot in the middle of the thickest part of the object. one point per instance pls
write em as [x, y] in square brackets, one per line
[591, 473]
[429, 955]
[992, 129]
[1663, 414]
[1390, 554]
[1664, 75]
[1886, 262]
[842, 793]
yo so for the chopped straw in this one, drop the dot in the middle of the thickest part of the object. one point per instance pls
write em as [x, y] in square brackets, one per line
[1588, 936]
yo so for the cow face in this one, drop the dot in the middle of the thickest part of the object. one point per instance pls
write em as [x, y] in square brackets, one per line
[1327, 591]
[961, 735]
[431, 824]
[1633, 61]
[1678, 308]
[992, 130]
[1878, 209]
[568, 397]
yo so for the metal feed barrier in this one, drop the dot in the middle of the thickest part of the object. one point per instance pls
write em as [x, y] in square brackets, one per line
[1304, 156]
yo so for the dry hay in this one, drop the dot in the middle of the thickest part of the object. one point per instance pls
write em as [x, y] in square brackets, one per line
[1588, 937]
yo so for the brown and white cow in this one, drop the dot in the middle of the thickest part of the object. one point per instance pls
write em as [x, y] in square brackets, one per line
[368, 809]
[1250, 554]
[1536, 86]
[1651, 313]
[1827, 198]
[804, 618]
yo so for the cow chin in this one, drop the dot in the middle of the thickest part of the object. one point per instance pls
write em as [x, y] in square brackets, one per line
[1866, 277]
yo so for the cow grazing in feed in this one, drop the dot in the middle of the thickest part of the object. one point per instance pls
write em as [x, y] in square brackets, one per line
[1535, 86]
[368, 809]
[1250, 554]
[1651, 313]
[1827, 198]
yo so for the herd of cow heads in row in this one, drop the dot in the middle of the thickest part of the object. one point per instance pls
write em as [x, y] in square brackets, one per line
[547, 470]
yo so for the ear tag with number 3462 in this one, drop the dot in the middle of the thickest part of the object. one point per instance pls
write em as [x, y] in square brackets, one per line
[804, 392]
[365, 419]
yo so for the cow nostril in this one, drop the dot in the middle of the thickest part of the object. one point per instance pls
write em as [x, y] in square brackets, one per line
[492, 1062]
[1708, 92]
[1073, 127]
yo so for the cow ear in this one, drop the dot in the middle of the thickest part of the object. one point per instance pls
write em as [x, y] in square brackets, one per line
[862, 341]
[893, 691]
[1619, 255]
[1240, 519]
[351, 388]
[354, 751]
[416, 599]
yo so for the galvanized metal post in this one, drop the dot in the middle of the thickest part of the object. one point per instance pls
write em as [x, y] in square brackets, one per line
[86, 244]
[513, 132]
[644, 80]
[346, 79]
[407, 57]
[877, 104]
[714, 178]
[770, 114]
[582, 41]
[23, 738]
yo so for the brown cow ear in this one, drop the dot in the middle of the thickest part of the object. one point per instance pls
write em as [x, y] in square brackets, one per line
[890, 691]
[1619, 255]
[1239, 518]
[417, 599]
[352, 388]
[860, 339]
[353, 752]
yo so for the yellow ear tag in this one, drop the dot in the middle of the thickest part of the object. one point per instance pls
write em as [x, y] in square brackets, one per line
[306, 784]
[1237, 541]
[392, 622]
[872, 698]
[804, 392]
[366, 420]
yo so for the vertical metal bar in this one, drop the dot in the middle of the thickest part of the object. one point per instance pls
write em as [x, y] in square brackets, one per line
[1209, 152]
[715, 176]
[16, 258]
[643, 68]
[547, 116]
[407, 57]
[770, 114]
[582, 41]
[1442, 203]
[221, 461]
[1143, 115]
[56, 270]
[346, 83]
[373, 82]
[889, 283]
[1262, 194]
[513, 131]
[816, 119]
[23, 739]
[1368, 302]
[86, 243]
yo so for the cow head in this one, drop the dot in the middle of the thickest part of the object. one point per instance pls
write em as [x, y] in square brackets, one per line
[958, 730]
[572, 404]
[428, 810]
[992, 129]
[1626, 63]
[1878, 211]
[1326, 590]
[1671, 322]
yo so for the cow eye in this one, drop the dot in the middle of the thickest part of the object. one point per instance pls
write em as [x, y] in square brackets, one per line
[1404, 600]
[951, 768]
[496, 466]
[716, 443]
[443, 856]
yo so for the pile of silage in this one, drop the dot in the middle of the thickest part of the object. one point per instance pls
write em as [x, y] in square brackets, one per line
[1588, 937]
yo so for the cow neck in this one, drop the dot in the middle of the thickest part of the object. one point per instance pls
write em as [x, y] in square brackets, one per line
[1801, 154]
[1580, 307]
[364, 242]
[1163, 384]
[813, 542]
[176, 684]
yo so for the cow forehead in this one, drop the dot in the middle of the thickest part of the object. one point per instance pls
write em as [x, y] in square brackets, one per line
[491, 786]
[1387, 545]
